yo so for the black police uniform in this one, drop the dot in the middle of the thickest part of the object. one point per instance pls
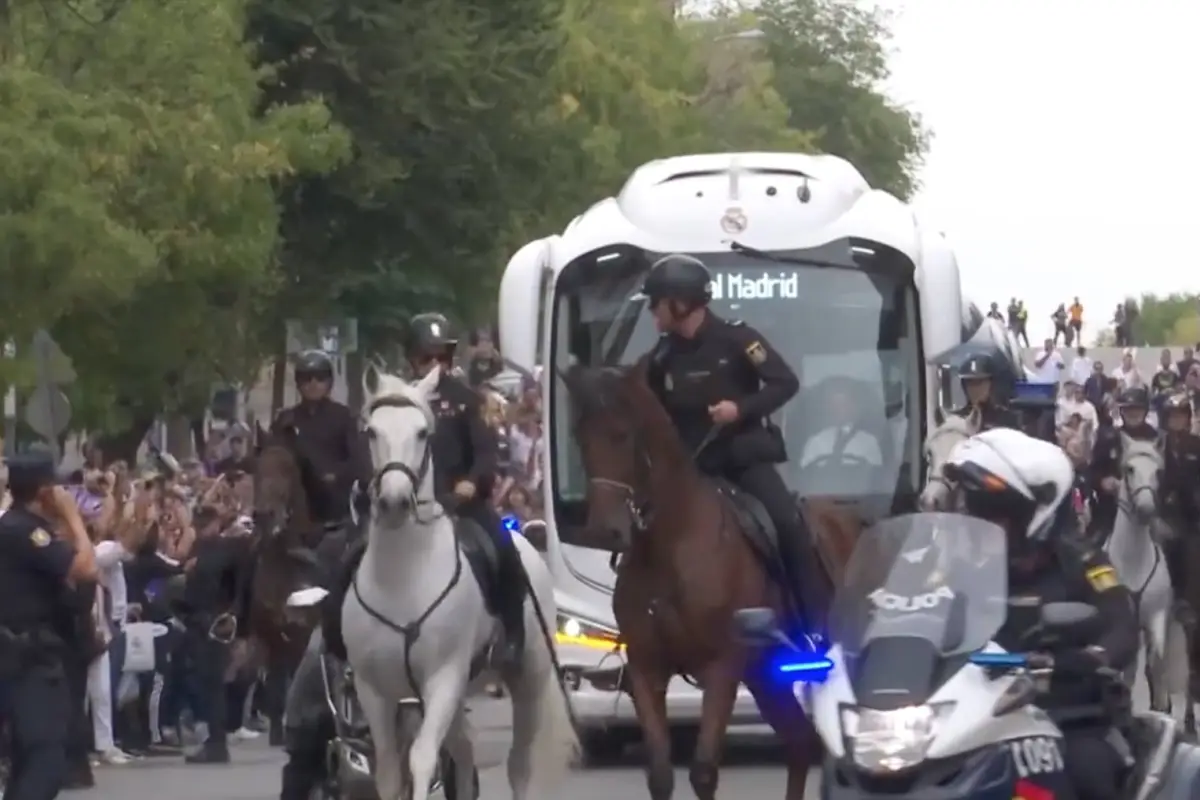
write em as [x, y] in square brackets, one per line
[729, 360]
[1180, 491]
[1107, 452]
[992, 412]
[34, 698]
[1074, 571]
[211, 609]
[329, 442]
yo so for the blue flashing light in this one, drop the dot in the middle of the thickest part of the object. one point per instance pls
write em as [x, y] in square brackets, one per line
[805, 667]
[511, 523]
[1012, 660]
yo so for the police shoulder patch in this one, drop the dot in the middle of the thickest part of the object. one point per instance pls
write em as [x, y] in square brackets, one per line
[39, 538]
[756, 352]
[1103, 578]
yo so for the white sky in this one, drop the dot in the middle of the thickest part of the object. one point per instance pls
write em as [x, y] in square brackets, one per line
[1066, 150]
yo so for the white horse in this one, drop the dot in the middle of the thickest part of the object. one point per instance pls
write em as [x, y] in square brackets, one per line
[1141, 566]
[938, 492]
[415, 622]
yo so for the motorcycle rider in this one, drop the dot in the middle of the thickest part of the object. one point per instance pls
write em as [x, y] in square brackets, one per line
[1104, 471]
[1180, 487]
[464, 463]
[977, 375]
[1024, 485]
[720, 381]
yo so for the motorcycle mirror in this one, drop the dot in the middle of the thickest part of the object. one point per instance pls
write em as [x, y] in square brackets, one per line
[756, 624]
[1062, 616]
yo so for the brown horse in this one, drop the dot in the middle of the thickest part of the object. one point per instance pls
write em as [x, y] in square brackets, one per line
[687, 567]
[285, 535]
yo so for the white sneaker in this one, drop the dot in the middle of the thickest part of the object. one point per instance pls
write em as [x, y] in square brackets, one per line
[244, 734]
[115, 757]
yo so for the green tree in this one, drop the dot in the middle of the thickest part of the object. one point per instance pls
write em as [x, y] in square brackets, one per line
[830, 63]
[137, 210]
[1166, 321]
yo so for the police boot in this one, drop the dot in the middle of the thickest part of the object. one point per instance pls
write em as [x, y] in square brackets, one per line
[331, 606]
[209, 753]
[512, 588]
[804, 576]
[305, 767]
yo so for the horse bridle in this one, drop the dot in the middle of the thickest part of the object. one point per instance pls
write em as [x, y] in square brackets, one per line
[416, 477]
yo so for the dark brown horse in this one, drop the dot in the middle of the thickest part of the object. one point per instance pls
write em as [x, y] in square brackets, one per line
[285, 535]
[687, 567]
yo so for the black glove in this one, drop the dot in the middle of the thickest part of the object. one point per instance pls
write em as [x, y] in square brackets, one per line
[1080, 661]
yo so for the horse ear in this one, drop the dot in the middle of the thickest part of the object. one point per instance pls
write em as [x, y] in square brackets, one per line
[428, 385]
[371, 379]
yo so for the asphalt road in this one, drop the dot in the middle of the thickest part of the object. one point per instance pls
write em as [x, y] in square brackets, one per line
[752, 772]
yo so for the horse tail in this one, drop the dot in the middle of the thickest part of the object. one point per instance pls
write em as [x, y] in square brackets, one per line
[554, 745]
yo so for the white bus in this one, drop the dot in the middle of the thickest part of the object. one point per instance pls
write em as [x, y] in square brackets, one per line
[844, 280]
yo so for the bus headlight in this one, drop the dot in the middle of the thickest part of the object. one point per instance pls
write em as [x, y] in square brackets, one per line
[582, 633]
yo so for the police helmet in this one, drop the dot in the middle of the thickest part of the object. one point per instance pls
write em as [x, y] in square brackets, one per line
[1133, 397]
[977, 367]
[678, 277]
[429, 334]
[313, 365]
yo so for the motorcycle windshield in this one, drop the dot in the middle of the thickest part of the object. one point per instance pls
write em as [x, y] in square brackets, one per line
[927, 579]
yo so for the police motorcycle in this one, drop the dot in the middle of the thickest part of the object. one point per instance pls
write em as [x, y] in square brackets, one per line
[349, 757]
[912, 698]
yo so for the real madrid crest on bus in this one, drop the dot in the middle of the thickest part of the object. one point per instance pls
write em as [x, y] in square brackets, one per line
[734, 220]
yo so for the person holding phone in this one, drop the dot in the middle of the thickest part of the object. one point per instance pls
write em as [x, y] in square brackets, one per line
[44, 551]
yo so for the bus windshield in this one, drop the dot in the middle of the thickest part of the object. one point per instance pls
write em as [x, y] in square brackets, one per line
[850, 333]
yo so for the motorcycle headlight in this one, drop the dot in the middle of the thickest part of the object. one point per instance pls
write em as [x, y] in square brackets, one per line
[575, 631]
[889, 741]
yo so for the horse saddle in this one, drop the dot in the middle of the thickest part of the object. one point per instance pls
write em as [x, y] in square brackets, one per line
[753, 520]
[483, 557]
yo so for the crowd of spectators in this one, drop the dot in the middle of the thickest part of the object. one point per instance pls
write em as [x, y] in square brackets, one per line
[140, 699]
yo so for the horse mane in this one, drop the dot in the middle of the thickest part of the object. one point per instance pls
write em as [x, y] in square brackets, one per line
[607, 389]
[952, 424]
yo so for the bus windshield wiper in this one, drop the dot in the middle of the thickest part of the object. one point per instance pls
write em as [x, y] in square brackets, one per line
[763, 255]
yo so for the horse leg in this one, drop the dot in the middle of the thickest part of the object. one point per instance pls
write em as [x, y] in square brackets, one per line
[1156, 660]
[275, 690]
[720, 681]
[783, 713]
[462, 752]
[381, 719]
[648, 687]
[445, 694]
[1177, 673]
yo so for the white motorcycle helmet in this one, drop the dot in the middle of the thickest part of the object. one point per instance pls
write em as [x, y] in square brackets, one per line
[1012, 479]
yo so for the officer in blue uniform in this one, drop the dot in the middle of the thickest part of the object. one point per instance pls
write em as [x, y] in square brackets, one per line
[41, 564]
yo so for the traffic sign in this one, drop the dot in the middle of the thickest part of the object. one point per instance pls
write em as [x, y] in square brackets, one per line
[48, 412]
[53, 364]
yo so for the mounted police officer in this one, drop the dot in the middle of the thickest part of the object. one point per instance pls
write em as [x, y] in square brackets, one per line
[327, 438]
[1024, 485]
[1104, 472]
[1180, 486]
[45, 556]
[464, 463]
[985, 394]
[720, 381]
